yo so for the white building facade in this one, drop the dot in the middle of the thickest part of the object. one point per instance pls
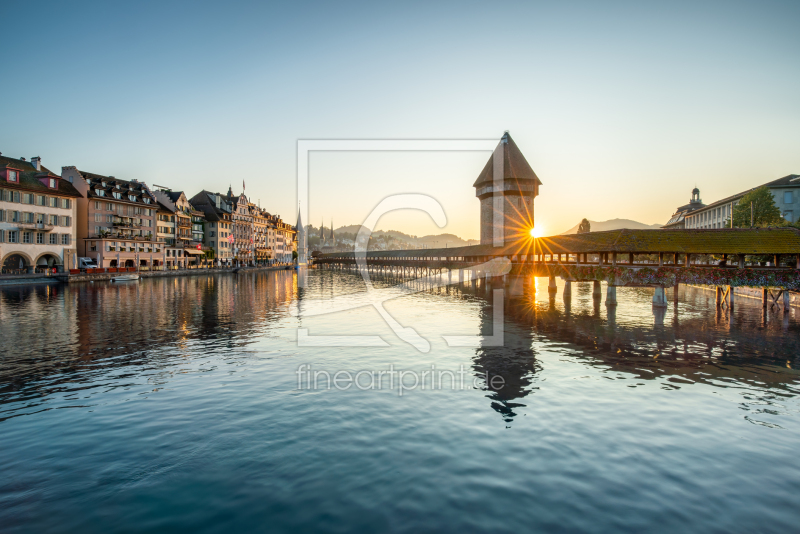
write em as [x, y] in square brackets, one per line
[37, 218]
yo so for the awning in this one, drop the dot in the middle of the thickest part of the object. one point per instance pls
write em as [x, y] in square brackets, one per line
[192, 251]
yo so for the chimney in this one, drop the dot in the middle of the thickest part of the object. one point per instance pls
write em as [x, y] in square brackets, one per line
[36, 161]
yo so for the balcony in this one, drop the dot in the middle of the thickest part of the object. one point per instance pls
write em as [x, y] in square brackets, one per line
[184, 223]
[36, 226]
[125, 222]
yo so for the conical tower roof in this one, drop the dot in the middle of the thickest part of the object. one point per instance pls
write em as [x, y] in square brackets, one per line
[515, 166]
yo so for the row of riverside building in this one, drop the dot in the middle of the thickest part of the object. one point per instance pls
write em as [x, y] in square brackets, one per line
[49, 222]
[785, 191]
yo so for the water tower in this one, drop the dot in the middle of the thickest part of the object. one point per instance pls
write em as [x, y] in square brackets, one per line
[506, 188]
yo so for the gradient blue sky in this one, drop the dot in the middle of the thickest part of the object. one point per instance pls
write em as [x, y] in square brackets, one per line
[621, 108]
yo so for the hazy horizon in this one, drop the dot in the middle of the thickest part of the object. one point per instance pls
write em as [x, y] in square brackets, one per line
[621, 109]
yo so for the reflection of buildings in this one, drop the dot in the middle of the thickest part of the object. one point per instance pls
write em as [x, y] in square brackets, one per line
[702, 346]
[514, 362]
[145, 325]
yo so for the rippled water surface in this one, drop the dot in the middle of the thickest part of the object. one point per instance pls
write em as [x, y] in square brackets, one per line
[174, 404]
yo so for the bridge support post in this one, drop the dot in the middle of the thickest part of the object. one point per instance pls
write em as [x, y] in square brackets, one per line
[552, 289]
[730, 296]
[611, 295]
[787, 300]
[567, 290]
[764, 297]
[659, 297]
[675, 293]
[718, 296]
[597, 290]
[461, 276]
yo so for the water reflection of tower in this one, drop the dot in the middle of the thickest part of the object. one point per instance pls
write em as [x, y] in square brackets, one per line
[514, 362]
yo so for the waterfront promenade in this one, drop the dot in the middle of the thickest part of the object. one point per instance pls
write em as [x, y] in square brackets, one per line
[96, 275]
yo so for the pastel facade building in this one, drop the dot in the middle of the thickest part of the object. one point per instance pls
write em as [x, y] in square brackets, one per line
[116, 220]
[37, 217]
[218, 232]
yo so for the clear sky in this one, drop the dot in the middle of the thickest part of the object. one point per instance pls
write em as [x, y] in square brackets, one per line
[620, 107]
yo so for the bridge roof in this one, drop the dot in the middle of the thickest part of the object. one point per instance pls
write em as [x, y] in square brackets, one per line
[708, 241]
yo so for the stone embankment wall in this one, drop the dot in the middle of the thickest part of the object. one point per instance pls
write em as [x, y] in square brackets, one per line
[158, 274]
[27, 279]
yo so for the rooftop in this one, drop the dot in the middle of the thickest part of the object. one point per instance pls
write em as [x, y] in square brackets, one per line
[515, 166]
[29, 179]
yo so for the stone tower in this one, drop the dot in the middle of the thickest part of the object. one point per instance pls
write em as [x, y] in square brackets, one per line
[506, 188]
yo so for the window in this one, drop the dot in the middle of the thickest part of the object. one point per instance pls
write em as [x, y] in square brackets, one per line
[40, 238]
[40, 218]
[15, 196]
[117, 194]
[788, 197]
[41, 200]
[13, 216]
[12, 177]
[66, 239]
[13, 236]
[98, 217]
[54, 239]
[53, 220]
[27, 217]
[27, 198]
[52, 183]
[132, 198]
[109, 218]
[53, 202]
[109, 207]
[27, 237]
[66, 203]
[97, 230]
[146, 200]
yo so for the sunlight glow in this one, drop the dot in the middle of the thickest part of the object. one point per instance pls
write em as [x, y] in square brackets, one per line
[537, 232]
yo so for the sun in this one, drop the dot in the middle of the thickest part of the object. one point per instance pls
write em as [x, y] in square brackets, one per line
[536, 232]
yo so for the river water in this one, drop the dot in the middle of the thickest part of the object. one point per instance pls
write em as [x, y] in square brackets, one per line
[181, 403]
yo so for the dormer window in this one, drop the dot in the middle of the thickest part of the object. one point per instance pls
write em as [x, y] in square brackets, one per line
[12, 176]
[117, 195]
[146, 200]
[100, 192]
[132, 198]
[52, 183]
[104, 184]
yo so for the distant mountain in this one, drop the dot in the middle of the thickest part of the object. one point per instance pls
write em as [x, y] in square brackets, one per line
[614, 224]
[430, 241]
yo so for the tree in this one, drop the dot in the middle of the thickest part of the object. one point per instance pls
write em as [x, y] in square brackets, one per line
[764, 210]
[585, 227]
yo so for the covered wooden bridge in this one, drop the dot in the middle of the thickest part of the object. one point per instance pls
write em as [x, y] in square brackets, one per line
[768, 258]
